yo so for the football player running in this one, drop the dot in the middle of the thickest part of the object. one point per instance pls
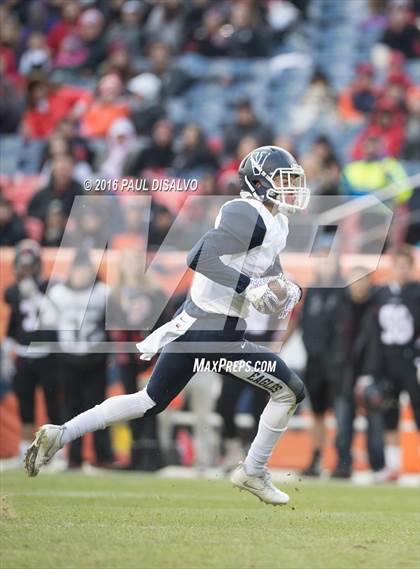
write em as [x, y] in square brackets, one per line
[236, 265]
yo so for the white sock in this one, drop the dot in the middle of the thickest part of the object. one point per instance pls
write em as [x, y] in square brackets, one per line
[272, 425]
[112, 410]
[392, 457]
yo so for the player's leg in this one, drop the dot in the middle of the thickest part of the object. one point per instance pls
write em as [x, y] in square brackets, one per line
[286, 391]
[375, 438]
[229, 396]
[345, 411]
[72, 385]
[24, 383]
[94, 392]
[172, 372]
[316, 386]
[259, 401]
[203, 390]
[412, 386]
[391, 388]
[145, 453]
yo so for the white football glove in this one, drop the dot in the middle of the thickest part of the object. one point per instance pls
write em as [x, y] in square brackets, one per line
[261, 296]
[266, 301]
[293, 296]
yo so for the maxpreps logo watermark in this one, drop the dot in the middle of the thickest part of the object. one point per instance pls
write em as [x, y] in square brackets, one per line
[162, 269]
[224, 365]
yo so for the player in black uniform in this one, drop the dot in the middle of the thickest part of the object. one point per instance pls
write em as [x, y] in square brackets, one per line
[393, 350]
[33, 368]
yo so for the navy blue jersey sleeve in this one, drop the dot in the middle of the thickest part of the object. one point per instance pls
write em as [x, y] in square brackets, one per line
[241, 228]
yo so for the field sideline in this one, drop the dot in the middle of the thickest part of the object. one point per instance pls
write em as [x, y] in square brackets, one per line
[126, 520]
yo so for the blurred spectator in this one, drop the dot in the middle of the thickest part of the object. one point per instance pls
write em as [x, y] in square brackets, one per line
[12, 229]
[138, 299]
[373, 172]
[8, 66]
[330, 179]
[48, 104]
[198, 214]
[350, 342]
[118, 61]
[90, 27]
[245, 123]
[316, 159]
[208, 184]
[208, 37]
[368, 175]
[37, 55]
[54, 226]
[228, 175]
[10, 36]
[175, 80]
[11, 104]
[318, 321]
[146, 104]
[248, 37]
[387, 126]
[37, 19]
[71, 55]
[401, 34]
[59, 146]
[80, 148]
[36, 367]
[89, 230]
[135, 219]
[317, 107]
[157, 155]
[395, 92]
[66, 26]
[392, 351]
[121, 139]
[165, 23]
[286, 142]
[61, 187]
[377, 20]
[282, 15]
[128, 29]
[359, 98]
[106, 108]
[411, 146]
[396, 68]
[77, 310]
[161, 220]
[194, 152]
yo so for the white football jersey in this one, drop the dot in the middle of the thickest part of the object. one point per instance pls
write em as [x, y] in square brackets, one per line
[79, 316]
[267, 235]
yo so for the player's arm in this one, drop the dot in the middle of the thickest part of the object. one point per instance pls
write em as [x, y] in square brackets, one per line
[241, 228]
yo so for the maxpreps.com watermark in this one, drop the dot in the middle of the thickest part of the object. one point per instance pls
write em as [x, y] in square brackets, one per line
[224, 365]
[141, 185]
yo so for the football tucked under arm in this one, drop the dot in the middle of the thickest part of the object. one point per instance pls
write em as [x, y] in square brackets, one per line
[273, 295]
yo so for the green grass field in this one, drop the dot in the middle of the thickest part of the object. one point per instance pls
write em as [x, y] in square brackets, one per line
[126, 520]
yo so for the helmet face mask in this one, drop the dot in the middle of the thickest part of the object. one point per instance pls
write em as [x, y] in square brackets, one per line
[271, 174]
